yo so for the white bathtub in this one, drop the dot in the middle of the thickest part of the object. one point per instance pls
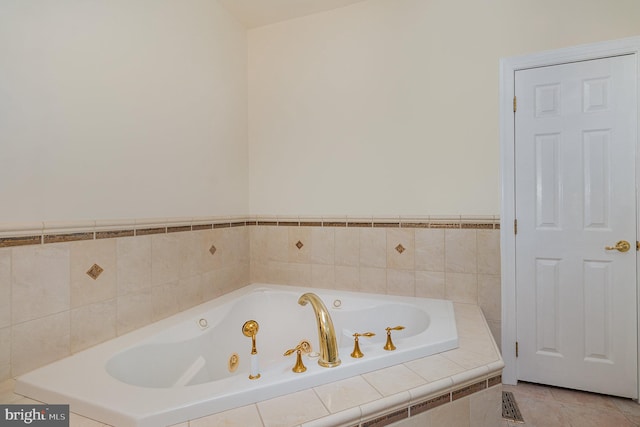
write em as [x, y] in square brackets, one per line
[177, 369]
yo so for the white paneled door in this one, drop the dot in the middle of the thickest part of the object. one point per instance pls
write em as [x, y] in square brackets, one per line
[575, 166]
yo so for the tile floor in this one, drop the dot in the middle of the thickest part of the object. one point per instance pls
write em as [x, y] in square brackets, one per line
[545, 406]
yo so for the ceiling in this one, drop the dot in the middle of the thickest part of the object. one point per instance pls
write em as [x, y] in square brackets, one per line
[256, 13]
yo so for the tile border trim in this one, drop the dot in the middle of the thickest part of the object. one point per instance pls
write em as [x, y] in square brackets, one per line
[424, 405]
[18, 234]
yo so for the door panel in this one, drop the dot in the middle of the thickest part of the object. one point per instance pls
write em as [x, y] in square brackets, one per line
[575, 154]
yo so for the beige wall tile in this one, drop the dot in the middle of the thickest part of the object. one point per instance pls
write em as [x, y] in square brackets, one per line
[347, 278]
[340, 395]
[297, 274]
[303, 235]
[460, 251]
[292, 409]
[323, 276]
[237, 239]
[434, 367]
[238, 417]
[456, 413]
[38, 342]
[191, 254]
[243, 244]
[347, 247]
[41, 281]
[165, 258]
[469, 359]
[461, 287]
[191, 292]
[230, 278]
[394, 379]
[6, 391]
[211, 287]
[478, 344]
[404, 260]
[239, 275]
[488, 251]
[135, 310]
[469, 320]
[5, 287]
[277, 272]
[84, 289]
[232, 246]
[223, 255]
[165, 300]
[489, 296]
[486, 407]
[373, 280]
[429, 248]
[373, 247]
[277, 244]
[5, 354]
[420, 420]
[92, 324]
[259, 272]
[133, 264]
[496, 330]
[430, 284]
[323, 245]
[215, 260]
[259, 243]
[401, 282]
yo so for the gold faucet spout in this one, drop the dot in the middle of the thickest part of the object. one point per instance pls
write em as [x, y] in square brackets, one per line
[326, 332]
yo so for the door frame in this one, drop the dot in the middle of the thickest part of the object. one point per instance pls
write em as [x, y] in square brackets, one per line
[508, 67]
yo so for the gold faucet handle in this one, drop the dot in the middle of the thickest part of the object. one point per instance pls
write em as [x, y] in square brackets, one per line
[356, 346]
[365, 334]
[389, 344]
[299, 366]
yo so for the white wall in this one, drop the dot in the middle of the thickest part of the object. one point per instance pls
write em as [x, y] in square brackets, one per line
[121, 109]
[391, 106]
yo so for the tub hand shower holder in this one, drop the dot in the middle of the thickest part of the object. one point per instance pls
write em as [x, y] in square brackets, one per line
[250, 329]
[389, 345]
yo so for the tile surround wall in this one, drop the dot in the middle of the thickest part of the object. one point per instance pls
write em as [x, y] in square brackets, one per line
[50, 307]
[450, 259]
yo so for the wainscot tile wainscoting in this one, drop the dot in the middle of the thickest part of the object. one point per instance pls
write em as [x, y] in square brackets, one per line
[67, 286]
[454, 258]
[93, 284]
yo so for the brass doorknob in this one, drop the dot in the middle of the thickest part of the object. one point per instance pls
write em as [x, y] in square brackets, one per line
[621, 246]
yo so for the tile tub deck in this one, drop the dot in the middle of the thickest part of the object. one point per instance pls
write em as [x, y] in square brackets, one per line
[461, 387]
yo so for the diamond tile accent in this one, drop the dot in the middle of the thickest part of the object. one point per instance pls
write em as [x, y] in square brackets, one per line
[400, 248]
[212, 249]
[95, 271]
[299, 245]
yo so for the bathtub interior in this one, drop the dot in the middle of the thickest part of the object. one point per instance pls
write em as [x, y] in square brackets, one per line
[191, 354]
